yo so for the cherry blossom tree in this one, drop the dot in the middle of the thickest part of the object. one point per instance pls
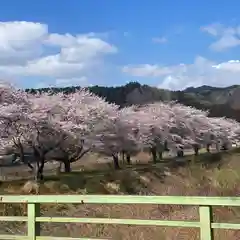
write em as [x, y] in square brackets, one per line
[158, 123]
[191, 127]
[226, 132]
[67, 126]
[125, 130]
[75, 118]
[84, 116]
[47, 122]
[184, 127]
[14, 109]
[24, 121]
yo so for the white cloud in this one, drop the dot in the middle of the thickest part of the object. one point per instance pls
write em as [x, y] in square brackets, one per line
[232, 66]
[20, 41]
[28, 49]
[71, 82]
[159, 40]
[227, 37]
[61, 82]
[214, 29]
[146, 70]
[201, 72]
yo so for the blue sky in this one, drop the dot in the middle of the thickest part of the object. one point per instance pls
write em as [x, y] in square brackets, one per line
[160, 43]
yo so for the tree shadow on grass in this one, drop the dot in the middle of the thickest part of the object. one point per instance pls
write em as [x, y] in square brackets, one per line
[91, 181]
[212, 160]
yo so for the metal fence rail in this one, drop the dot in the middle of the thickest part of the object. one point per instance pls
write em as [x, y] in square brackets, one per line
[33, 218]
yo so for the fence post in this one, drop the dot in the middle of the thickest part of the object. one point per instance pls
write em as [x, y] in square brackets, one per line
[33, 226]
[206, 232]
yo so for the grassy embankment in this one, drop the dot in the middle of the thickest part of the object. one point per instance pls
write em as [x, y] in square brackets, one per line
[209, 175]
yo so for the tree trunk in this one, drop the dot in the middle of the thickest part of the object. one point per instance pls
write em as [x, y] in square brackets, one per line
[40, 160]
[21, 153]
[180, 153]
[115, 161]
[196, 150]
[160, 155]
[218, 147]
[208, 147]
[40, 171]
[123, 156]
[128, 158]
[67, 166]
[225, 147]
[166, 146]
[154, 154]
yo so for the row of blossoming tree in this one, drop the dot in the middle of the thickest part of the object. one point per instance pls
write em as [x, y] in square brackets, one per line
[66, 127]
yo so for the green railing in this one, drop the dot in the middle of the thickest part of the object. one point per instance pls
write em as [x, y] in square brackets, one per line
[33, 218]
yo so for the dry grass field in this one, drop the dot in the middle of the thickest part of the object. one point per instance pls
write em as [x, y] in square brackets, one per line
[205, 175]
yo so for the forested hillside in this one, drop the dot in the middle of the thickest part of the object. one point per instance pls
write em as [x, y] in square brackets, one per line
[220, 101]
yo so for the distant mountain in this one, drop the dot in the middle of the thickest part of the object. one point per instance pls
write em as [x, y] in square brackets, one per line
[219, 101]
[209, 88]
